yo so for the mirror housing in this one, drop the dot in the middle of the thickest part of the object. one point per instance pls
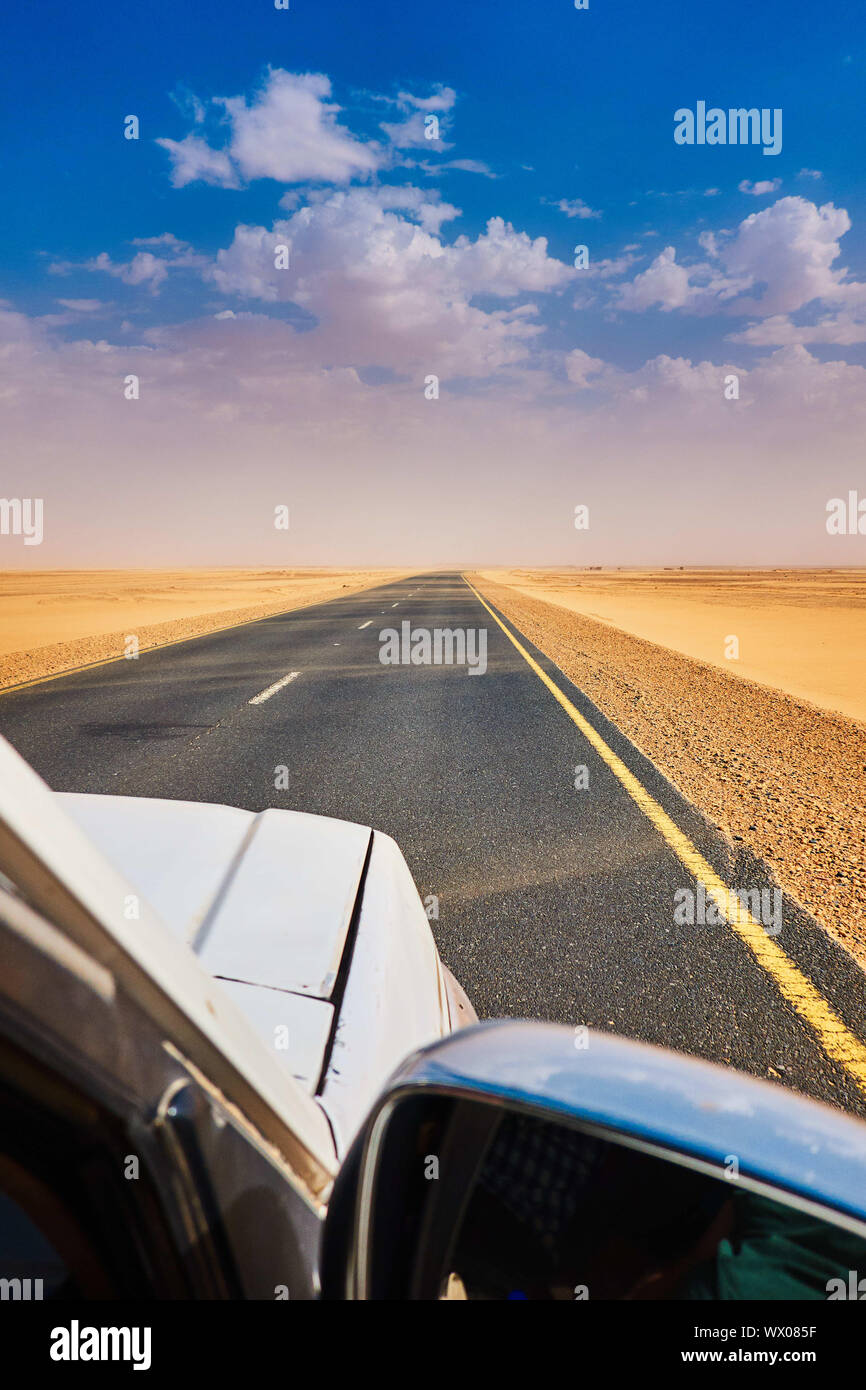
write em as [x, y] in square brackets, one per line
[664, 1126]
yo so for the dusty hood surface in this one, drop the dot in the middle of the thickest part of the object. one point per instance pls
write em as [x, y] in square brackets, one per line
[313, 926]
[264, 901]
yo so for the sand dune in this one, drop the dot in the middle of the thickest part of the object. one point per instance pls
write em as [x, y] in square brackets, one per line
[52, 620]
[803, 632]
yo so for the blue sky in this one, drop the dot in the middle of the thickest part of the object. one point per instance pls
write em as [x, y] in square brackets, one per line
[550, 110]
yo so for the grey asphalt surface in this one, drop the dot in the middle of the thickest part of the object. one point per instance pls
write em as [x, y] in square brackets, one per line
[553, 903]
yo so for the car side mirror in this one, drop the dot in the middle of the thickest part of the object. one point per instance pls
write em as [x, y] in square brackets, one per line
[523, 1161]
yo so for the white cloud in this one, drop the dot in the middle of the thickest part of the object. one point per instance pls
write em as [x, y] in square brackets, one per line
[664, 376]
[761, 188]
[579, 367]
[467, 166]
[188, 103]
[664, 283]
[167, 240]
[442, 99]
[786, 252]
[609, 267]
[83, 306]
[843, 330]
[775, 262]
[414, 131]
[425, 206]
[573, 207]
[289, 132]
[193, 159]
[505, 262]
[384, 289]
[143, 269]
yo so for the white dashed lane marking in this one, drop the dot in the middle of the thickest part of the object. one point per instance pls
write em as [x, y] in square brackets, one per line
[272, 689]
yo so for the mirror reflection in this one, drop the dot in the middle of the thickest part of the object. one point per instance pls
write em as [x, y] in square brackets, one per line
[505, 1204]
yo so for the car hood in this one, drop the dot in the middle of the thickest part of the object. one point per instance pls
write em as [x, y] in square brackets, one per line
[264, 898]
[312, 925]
[264, 901]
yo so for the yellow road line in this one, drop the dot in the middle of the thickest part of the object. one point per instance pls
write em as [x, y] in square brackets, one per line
[837, 1040]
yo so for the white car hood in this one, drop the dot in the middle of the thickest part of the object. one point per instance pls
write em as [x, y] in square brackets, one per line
[270, 905]
[264, 898]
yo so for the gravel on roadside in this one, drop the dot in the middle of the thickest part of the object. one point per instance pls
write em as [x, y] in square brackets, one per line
[776, 774]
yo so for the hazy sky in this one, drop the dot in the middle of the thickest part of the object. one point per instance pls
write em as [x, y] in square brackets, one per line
[264, 385]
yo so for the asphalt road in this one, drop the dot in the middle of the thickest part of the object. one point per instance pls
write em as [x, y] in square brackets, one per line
[553, 902]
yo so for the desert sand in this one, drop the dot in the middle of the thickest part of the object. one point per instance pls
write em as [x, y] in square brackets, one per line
[803, 632]
[54, 620]
[782, 778]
